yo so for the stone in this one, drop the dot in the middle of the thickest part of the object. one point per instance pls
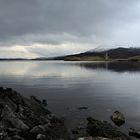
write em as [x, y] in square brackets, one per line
[8, 116]
[75, 132]
[118, 118]
[94, 138]
[9, 89]
[135, 133]
[41, 137]
[1, 89]
[98, 128]
[17, 137]
[44, 102]
[24, 118]
[38, 129]
[82, 108]
[35, 99]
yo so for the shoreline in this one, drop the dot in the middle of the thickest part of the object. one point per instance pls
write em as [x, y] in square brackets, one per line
[29, 117]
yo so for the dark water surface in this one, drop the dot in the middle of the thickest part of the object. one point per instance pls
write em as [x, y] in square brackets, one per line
[102, 87]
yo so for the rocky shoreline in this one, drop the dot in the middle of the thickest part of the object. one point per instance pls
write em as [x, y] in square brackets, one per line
[28, 119]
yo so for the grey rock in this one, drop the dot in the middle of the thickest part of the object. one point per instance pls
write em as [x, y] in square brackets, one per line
[118, 118]
[94, 138]
[35, 99]
[41, 137]
[44, 102]
[25, 118]
[134, 132]
[8, 117]
[17, 137]
[38, 129]
[98, 128]
[82, 108]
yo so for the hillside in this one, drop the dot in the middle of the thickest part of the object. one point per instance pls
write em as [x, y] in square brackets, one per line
[111, 54]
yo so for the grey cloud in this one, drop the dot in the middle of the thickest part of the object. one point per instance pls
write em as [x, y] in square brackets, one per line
[58, 21]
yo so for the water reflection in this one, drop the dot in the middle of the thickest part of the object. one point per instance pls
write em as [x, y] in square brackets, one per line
[114, 66]
[103, 87]
[63, 69]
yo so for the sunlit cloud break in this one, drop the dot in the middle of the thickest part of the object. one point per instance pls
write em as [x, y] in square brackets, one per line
[38, 28]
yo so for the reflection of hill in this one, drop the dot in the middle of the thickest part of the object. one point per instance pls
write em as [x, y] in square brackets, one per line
[114, 66]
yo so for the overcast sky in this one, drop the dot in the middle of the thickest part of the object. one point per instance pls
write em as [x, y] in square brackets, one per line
[38, 28]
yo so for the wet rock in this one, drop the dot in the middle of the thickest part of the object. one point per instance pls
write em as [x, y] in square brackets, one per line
[38, 129]
[82, 108]
[44, 102]
[85, 138]
[135, 133]
[17, 137]
[75, 132]
[24, 118]
[10, 119]
[9, 89]
[41, 137]
[3, 134]
[1, 89]
[13, 131]
[35, 99]
[104, 129]
[118, 118]
[94, 138]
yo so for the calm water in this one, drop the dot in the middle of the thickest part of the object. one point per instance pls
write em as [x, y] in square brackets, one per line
[103, 88]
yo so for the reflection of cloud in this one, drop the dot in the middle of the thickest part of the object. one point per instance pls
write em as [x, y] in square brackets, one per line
[42, 69]
[15, 68]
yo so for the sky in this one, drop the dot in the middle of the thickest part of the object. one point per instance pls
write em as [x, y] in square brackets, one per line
[45, 28]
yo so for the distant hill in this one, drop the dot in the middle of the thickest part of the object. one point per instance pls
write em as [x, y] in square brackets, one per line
[111, 54]
[118, 54]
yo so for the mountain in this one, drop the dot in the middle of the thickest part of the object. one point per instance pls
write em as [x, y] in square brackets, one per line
[119, 54]
[111, 54]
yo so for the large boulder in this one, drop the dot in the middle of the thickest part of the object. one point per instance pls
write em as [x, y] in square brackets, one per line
[118, 118]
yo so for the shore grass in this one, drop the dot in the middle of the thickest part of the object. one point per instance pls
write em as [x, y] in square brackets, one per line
[84, 58]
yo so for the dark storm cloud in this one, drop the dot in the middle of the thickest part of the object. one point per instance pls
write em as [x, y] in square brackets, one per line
[58, 21]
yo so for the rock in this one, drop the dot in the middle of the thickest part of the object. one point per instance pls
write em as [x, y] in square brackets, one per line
[41, 137]
[118, 118]
[38, 129]
[135, 133]
[9, 89]
[13, 131]
[85, 138]
[17, 137]
[9, 119]
[2, 134]
[35, 99]
[82, 108]
[75, 132]
[44, 102]
[94, 138]
[25, 118]
[98, 128]
[1, 89]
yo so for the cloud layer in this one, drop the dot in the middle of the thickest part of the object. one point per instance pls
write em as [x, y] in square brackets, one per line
[54, 27]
